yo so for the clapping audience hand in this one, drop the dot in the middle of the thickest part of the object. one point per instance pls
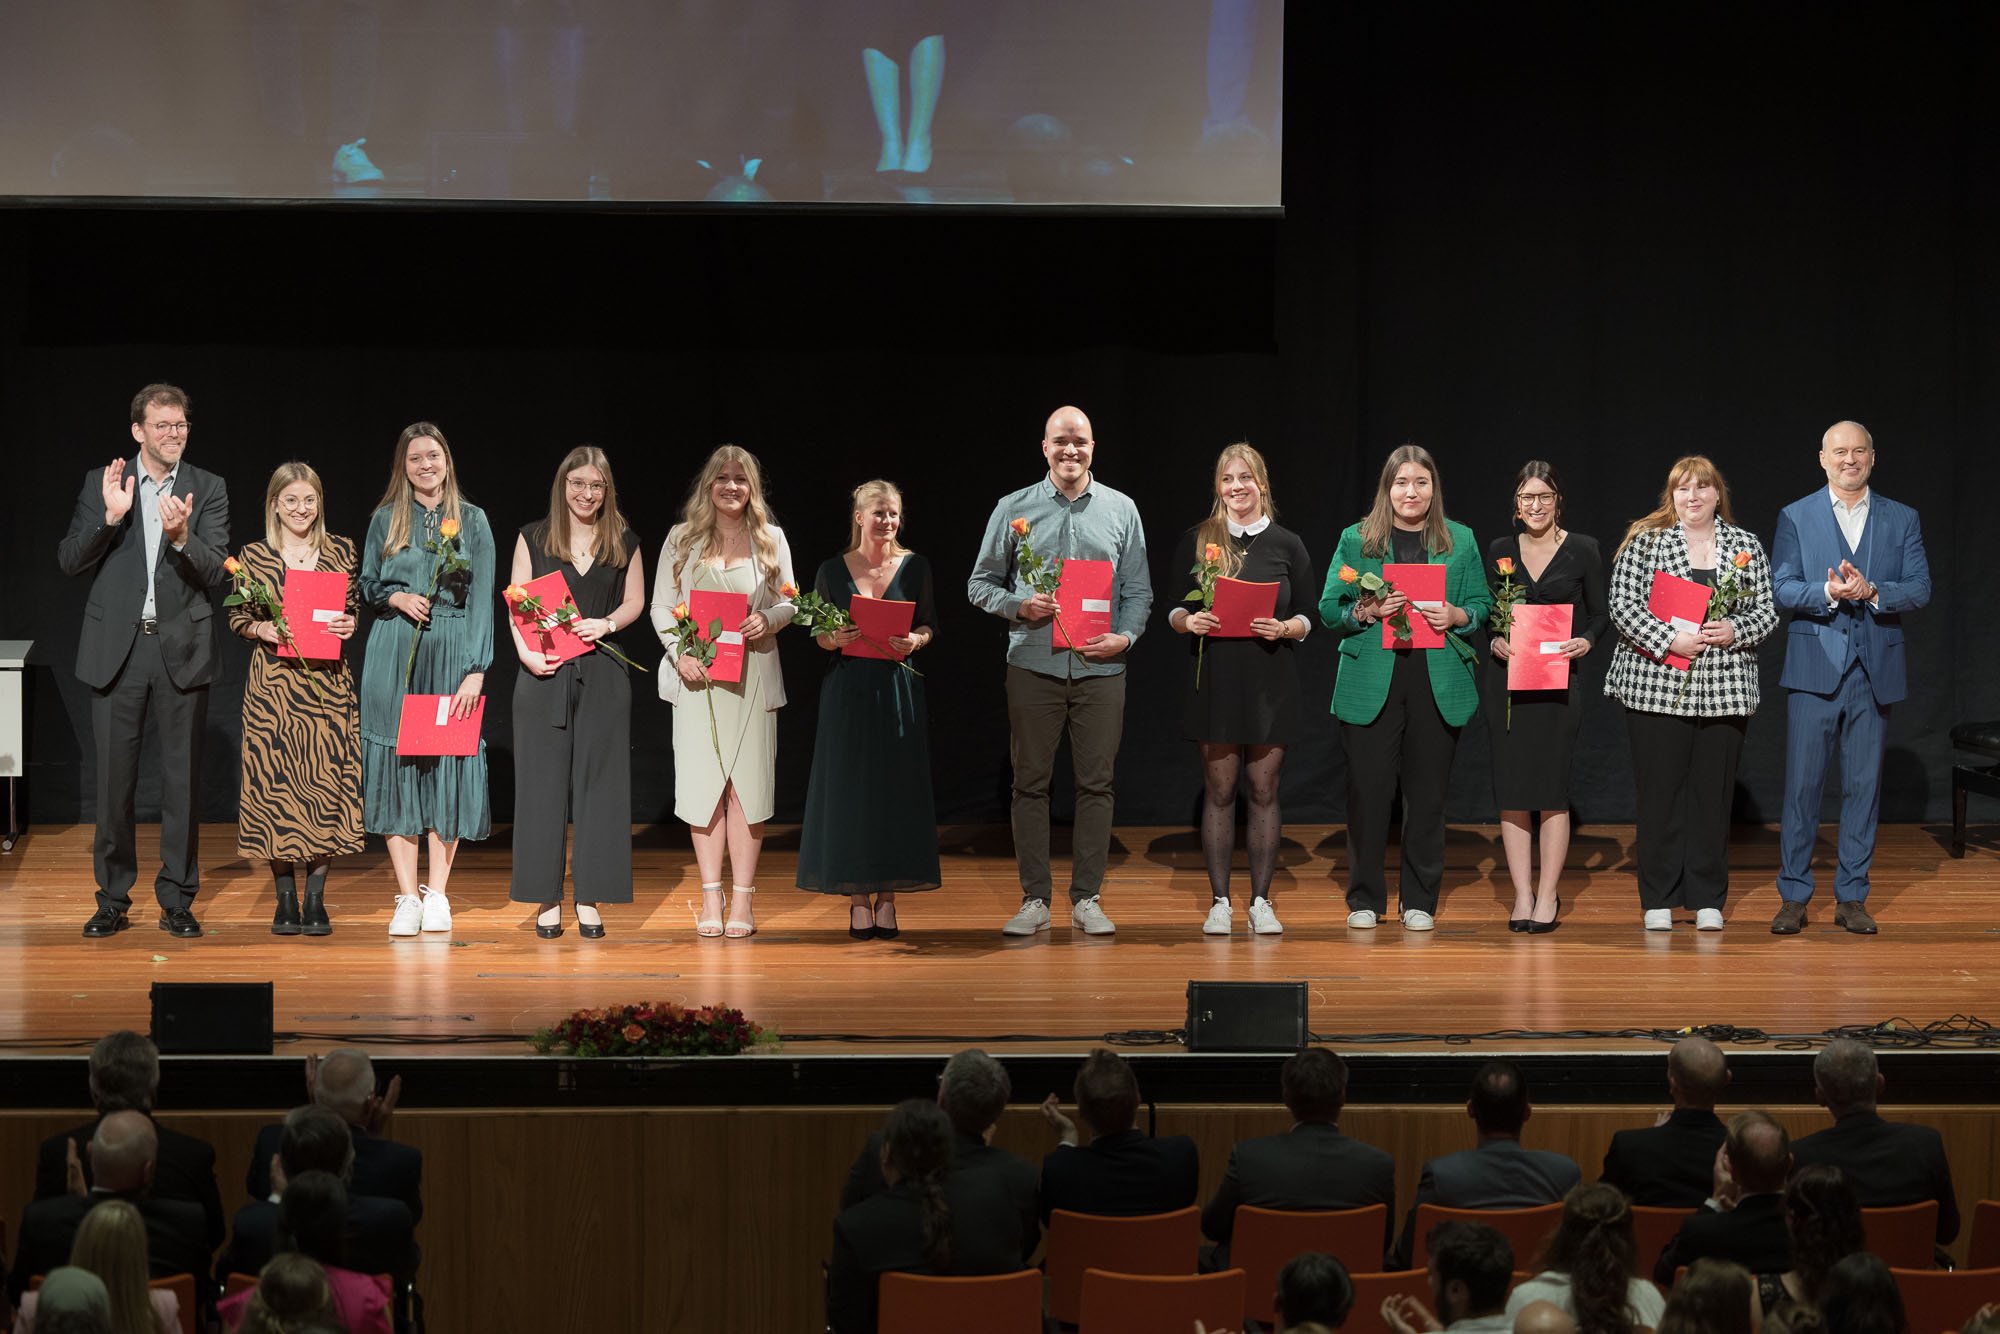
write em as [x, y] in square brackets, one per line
[375, 1113]
[1052, 1113]
[1726, 1190]
[1404, 1314]
[73, 1181]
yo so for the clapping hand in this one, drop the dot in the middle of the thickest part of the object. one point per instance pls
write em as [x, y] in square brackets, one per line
[73, 1181]
[1404, 1314]
[117, 493]
[1052, 1113]
[1725, 1190]
[375, 1113]
[174, 512]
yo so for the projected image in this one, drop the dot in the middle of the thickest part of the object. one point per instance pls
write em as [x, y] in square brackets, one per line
[1113, 102]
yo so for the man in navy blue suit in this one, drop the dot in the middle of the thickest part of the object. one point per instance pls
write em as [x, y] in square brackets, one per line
[1847, 563]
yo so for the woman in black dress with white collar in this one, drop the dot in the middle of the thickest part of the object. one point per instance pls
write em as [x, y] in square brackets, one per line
[1534, 732]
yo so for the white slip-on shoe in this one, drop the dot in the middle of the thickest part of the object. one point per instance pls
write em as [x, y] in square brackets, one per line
[408, 918]
[1032, 917]
[1416, 919]
[1659, 919]
[437, 909]
[1086, 916]
[1361, 919]
[1708, 919]
[1263, 920]
[1217, 922]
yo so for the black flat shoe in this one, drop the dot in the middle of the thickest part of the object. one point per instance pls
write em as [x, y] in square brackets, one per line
[590, 930]
[1543, 928]
[313, 915]
[179, 922]
[106, 922]
[287, 921]
[549, 932]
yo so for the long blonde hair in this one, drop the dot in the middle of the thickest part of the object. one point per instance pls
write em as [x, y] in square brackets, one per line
[699, 530]
[274, 527]
[1215, 528]
[1664, 515]
[608, 547]
[111, 1243]
[865, 496]
[400, 494]
[1381, 520]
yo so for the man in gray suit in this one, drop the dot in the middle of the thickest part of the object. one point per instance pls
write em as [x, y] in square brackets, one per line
[1498, 1173]
[152, 532]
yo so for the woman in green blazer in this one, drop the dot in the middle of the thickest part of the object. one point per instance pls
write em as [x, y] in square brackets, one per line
[1400, 709]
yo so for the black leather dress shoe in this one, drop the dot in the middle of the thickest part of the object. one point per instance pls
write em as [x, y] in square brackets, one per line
[106, 922]
[179, 922]
[1854, 917]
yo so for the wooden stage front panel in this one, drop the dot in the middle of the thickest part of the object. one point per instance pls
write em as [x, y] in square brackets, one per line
[952, 978]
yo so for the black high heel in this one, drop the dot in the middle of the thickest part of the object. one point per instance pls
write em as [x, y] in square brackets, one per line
[1517, 924]
[549, 932]
[1543, 928]
[886, 932]
[860, 932]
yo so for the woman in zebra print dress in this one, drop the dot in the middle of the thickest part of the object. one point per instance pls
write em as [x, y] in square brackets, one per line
[300, 804]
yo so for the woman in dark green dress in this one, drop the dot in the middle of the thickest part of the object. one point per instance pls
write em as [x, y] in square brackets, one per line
[871, 826]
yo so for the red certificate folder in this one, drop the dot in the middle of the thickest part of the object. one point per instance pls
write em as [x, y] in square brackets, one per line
[1681, 603]
[428, 727]
[708, 606]
[1084, 600]
[1419, 583]
[312, 599]
[881, 620]
[541, 633]
[1238, 603]
[1537, 638]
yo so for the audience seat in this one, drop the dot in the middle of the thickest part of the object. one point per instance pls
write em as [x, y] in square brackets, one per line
[1653, 1226]
[1528, 1230]
[182, 1286]
[1936, 1299]
[1165, 1244]
[1264, 1240]
[1983, 738]
[236, 1283]
[1149, 1303]
[1983, 1251]
[1903, 1236]
[1371, 1290]
[986, 1304]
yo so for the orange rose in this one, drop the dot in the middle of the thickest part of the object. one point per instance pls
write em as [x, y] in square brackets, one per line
[233, 565]
[1505, 565]
[633, 1032]
[1741, 560]
[681, 612]
[515, 594]
[1348, 574]
[788, 591]
[448, 529]
[1020, 527]
[1211, 552]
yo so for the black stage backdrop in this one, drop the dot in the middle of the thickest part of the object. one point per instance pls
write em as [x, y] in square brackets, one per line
[1604, 236]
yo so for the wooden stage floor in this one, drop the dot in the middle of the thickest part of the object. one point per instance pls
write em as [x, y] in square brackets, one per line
[952, 978]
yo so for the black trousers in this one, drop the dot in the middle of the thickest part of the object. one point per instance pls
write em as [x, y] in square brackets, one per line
[1410, 740]
[573, 764]
[1685, 771]
[118, 718]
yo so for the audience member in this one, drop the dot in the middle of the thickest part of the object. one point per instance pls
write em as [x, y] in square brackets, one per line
[1589, 1269]
[380, 1233]
[1860, 1297]
[1498, 1173]
[125, 1077]
[344, 1082]
[111, 1244]
[1885, 1162]
[1310, 1166]
[1123, 1170]
[1796, 1318]
[73, 1301]
[1986, 1320]
[313, 1221]
[1716, 1297]
[1544, 1317]
[973, 1090]
[1824, 1224]
[1313, 1293]
[1744, 1218]
[292, 1296]
[1669, 1164]
[1471, 1265]
[123, 1150]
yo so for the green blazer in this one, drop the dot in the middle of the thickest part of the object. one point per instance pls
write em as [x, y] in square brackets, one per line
[1362, 684]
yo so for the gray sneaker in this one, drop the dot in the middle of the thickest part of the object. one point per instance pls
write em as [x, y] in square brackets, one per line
[1032, 917]
[1088, 918]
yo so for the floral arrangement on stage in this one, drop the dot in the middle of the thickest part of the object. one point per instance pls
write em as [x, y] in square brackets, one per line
[820, 617]
[1041, 575]
[530, 605]
[1728, 595]
[1206, 571]
[1502, 618]
[254, 591]
[655, 1028]
[451, 558]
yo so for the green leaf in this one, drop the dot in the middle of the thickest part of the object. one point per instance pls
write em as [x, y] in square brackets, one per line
[1195, 596]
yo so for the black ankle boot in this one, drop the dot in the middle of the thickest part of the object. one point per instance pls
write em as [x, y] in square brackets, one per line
[316, 923]
[285, 921]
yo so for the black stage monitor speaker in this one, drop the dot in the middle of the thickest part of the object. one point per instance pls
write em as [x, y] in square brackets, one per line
[214, 1018]
[1246, 1016]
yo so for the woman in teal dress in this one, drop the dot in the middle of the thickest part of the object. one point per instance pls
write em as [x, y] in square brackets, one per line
[419, 799]
[870, 826]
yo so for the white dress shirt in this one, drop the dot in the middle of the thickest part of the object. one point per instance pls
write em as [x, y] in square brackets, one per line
[149, 493]
[1853, 521]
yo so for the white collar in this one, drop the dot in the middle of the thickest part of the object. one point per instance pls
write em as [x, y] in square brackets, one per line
[1857, 506]
[1248, 530]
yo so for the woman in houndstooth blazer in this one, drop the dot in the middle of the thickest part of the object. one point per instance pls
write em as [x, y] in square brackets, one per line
[1687, 727]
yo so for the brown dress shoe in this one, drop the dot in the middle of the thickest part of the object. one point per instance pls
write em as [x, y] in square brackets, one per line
[1791, 920]
[1854, 916]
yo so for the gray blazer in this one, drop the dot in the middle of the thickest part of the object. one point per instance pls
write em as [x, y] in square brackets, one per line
[115, 556]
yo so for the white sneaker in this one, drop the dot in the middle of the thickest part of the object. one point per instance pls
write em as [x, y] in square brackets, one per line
[1416, 919]
[408, 918]
[1033, 917]
[1217, 922]
[352, 166]
[1086, 916]
[1263, 921]
[1361, 919]
[1659, 919]
[1708, 919]
[437, 909]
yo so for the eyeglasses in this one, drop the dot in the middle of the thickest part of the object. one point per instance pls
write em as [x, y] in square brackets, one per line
[581, 488]
[1535, 500]
[167, 428]
[292, 506]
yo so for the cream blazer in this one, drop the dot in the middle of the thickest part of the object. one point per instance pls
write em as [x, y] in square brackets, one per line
[671, 587]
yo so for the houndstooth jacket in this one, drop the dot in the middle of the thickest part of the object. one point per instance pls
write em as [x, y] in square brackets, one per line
[1724, 680]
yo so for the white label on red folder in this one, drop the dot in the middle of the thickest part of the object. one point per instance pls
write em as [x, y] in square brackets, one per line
[1685, 626]
[1097, 604]
[444, 710]
[729, 637]
[1554, 645]
[323, 615]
